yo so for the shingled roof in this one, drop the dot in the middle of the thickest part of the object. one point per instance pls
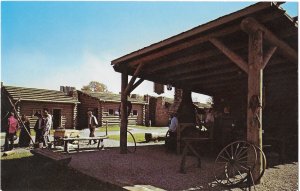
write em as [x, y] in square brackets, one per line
[104, 96]
[39, 95]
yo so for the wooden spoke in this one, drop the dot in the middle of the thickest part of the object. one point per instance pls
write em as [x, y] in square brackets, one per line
[228, 154]
[238, 171]
[242, 153]
[224, 158]
[237, 147]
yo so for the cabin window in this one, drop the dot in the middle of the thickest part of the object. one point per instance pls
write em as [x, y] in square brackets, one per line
[110, 111]
[134, 112]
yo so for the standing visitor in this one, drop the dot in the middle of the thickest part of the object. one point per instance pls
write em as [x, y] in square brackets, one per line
[11, 132]
[47, 119]
[38, 128]
[92, 124]
[24, 139]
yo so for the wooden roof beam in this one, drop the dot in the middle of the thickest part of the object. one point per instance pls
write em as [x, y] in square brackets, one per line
[209, 75]
[186, 44]
[230, 54]
[136, 84]
[221, 79]
[188, 67]
[250, 25]
[268, 56]
[133, 78]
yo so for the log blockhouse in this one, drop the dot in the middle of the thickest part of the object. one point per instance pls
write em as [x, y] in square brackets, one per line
[249, 57]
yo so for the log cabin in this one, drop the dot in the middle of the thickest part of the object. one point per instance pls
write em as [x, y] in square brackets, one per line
[105, 106]
[61, 106]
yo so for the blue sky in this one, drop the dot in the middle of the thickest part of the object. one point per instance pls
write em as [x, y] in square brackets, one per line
[49, 44]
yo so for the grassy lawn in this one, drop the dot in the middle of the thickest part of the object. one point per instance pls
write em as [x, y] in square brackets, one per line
[23, 171]
[109, 128]
[148, 128]
[117, 128]
[139, 137]
[32, 132]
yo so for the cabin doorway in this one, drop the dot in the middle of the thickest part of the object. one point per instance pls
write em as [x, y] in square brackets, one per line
[56, 118]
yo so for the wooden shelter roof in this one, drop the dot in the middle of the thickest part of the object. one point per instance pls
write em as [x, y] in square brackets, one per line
[195, 59]
[38, 95]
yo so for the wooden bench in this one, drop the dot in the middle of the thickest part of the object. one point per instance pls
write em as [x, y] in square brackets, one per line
[49, 154]
[66, 141]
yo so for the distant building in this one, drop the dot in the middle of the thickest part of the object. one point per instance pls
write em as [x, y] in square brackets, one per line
[105, 106]
[63, 107]
[160, 108]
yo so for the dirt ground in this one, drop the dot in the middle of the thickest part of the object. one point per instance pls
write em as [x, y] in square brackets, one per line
[152, 168]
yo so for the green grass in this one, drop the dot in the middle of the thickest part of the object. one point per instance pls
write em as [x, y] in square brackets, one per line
[117, 128]
[148, 128]
[109, 128]
[32, 132]
[139, 137]
[27, 172]
[17, 155]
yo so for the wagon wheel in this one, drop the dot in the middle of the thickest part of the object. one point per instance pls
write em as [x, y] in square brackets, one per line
[264, 162]
[234, 162]
[131, 143]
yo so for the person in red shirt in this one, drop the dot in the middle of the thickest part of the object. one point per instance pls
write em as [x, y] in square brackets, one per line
[13, 126]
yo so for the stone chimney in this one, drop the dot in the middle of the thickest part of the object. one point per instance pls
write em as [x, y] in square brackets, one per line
[177, 100]
[69, 91]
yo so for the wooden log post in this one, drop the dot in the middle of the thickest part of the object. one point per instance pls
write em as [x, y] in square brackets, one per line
[255, 89]
[124, 117]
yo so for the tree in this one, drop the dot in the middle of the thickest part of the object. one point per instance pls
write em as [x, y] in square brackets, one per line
[94, 86]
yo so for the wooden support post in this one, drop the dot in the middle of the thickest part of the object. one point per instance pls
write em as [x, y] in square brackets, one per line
[124, 117]
[132, 80]
[250, 25]
[106, 125]
[255, 80]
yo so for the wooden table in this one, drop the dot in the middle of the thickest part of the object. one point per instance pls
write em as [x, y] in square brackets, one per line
[66, 141]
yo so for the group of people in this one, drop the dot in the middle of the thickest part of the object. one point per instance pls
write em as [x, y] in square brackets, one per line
[42, 129]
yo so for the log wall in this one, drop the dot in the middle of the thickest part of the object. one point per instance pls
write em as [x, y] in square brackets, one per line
[67, 112]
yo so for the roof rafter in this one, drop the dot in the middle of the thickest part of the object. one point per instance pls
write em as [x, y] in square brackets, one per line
[230, 54]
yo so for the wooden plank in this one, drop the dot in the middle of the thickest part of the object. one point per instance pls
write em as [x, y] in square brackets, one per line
[84, 138]
[209, 74]
[233, 77]
[220, 21]
[250, 25]
[182, 61]
[230, 54]
[57, 157]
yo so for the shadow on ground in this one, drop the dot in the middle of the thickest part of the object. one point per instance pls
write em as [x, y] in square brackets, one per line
[33, 173]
